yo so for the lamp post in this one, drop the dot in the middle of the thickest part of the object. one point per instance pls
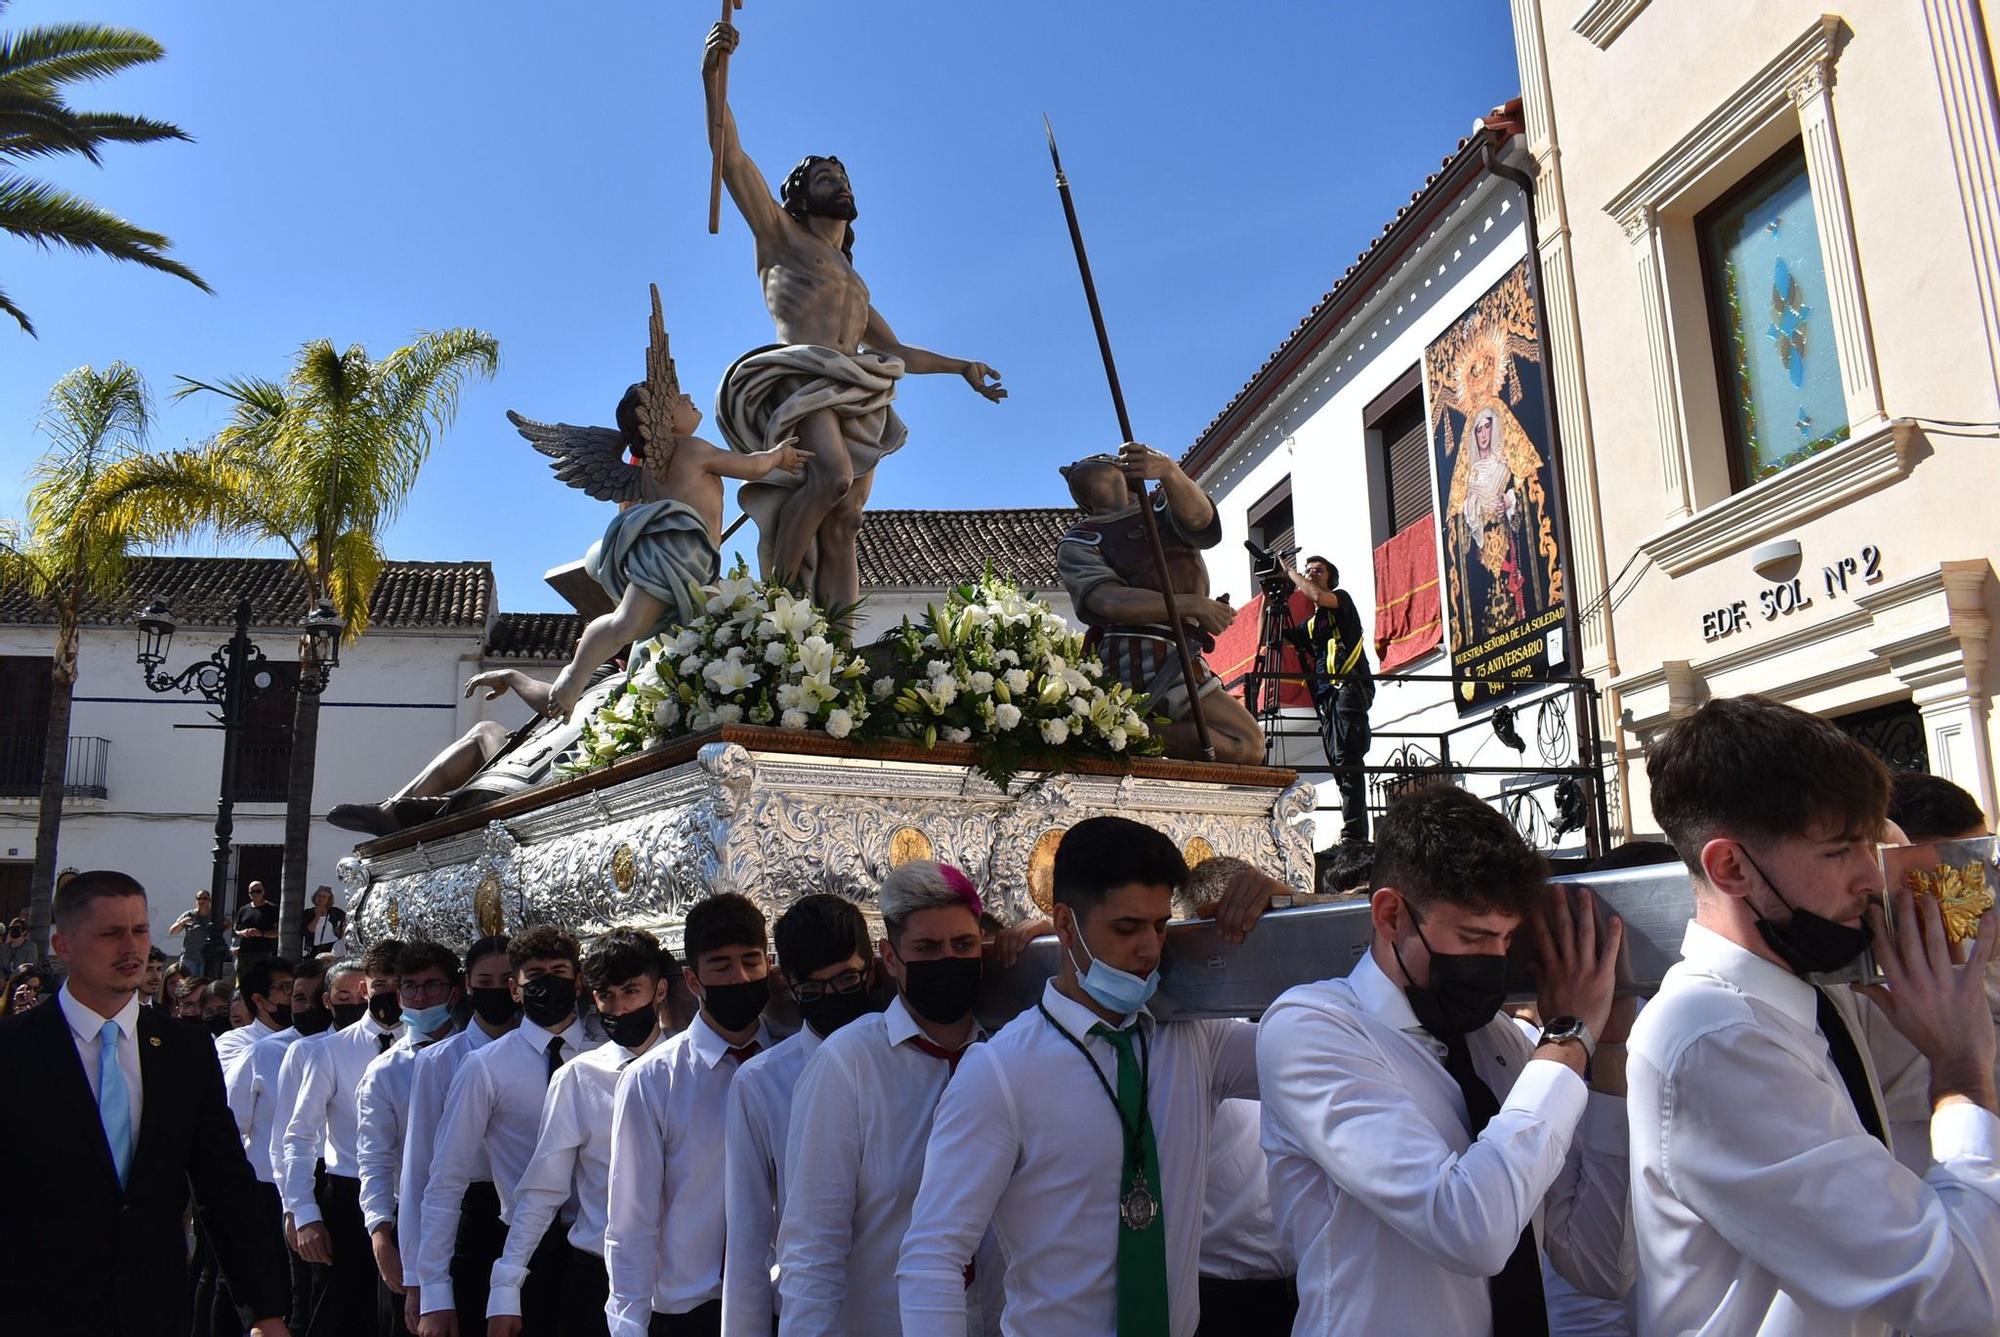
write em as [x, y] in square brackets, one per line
[230, 679]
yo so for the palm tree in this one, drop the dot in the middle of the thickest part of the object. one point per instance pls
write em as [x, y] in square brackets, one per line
[36, 121]
[72, 548]
[318, 464]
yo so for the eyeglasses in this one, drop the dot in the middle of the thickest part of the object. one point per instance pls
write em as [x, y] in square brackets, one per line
[811, 991]
[424, 988]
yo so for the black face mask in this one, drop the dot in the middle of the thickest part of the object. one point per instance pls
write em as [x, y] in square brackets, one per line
[1466, 989]
[386, 1008]
[735, 1007]
[346, 1014]
[629, 1030]
[944, 990]
[1810, 944]
[310, 1020]
[495, 1007]
[830, 1011]
[216, 1024]
[549, 1001]
[281, 1016]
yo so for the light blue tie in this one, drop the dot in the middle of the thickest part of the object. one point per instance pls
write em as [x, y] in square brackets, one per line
[114, 1100]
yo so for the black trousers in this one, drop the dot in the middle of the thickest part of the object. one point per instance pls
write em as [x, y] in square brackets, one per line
[349, 1305]
[1258, 1308]
[585, 1292]
[481, 1237]
[701, 1321]
[1345, 731]
[308, 1279]
[547, 1283]
[388, 1304]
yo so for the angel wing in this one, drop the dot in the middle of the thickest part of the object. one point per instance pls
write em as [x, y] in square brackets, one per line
[662, 388]
[591, 459]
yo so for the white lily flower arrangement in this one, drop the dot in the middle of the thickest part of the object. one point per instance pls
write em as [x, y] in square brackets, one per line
[756, 654]
[1002, 671]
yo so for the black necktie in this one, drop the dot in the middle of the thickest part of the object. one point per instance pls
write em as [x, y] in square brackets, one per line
[1847, 1061]
[383, 1041]
[1519, 1309]
[555, 1055]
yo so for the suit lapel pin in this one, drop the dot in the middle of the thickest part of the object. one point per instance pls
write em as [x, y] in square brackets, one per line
[153, 1040]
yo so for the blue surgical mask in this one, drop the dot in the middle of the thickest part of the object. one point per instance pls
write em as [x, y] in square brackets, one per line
[1113, 989]
[428, 1020]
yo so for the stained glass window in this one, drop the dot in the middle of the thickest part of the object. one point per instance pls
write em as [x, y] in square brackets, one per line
[1775, 348]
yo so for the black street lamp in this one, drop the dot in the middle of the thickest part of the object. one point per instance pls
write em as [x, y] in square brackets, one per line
[230, 679]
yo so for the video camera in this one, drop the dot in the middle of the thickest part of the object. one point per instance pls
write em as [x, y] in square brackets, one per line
[1269, 569]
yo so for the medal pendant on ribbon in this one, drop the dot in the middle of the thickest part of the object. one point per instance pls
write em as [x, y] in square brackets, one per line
[1138, 1208]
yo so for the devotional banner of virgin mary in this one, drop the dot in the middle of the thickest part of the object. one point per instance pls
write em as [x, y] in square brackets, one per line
[1505, 597]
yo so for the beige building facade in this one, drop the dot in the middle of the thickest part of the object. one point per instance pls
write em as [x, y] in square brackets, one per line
[1770, 245]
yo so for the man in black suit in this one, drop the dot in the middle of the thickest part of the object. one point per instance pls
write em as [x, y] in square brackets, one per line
[128, 1115]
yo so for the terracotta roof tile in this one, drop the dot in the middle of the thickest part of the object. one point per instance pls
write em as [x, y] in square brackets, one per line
[935, 549]
[534, 635]
[202, 591]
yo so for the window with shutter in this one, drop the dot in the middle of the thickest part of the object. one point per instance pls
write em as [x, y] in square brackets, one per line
[1409, 467]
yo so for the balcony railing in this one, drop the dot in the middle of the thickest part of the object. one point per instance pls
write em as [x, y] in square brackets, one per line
[86, 775]
[263, 765]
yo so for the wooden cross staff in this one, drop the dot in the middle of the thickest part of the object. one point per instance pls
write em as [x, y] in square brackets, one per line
[715, 128]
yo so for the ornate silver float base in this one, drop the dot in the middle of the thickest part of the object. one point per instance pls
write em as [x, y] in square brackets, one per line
[777, 824]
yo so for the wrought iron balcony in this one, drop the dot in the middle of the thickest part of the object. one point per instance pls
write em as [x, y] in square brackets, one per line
[22, 748]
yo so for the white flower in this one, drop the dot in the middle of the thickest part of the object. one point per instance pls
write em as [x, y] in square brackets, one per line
[793, 719]
[729, 675]
[839, 724]
[1007, 717]
[938, 693]
[690, 667]
[1115, 740]
[791, 696]
[980, 682]
[1055, 732]
[687, 641]
[701, 719]
[729, 714]
[1017, 680]
[1009, 657]
[1078, 706]
[883, 688]
[816, 655]
[952, 735]
[937, 668]
[789, 616]
[667, 713]
[774, 653]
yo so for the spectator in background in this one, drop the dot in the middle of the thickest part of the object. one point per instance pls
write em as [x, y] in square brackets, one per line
[152, 984]
[186, 997]
[256, 927]
[200, 933]
[25, 988]
[218, 1006]
[324, 932]
[19, 949]
[1931, 808]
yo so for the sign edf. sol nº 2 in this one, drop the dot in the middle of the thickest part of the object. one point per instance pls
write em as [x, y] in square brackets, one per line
[1790, 596]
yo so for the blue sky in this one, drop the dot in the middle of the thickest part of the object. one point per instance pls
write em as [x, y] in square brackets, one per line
[365, 170]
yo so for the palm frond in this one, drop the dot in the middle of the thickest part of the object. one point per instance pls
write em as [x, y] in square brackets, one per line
[420, 388]
[7, 308]
[113, 127]
[47, 57]
[261, 397]
[355, 563]
[41, 127]
[49, 216]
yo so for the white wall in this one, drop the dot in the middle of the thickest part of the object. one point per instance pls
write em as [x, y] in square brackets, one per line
[1313, 432]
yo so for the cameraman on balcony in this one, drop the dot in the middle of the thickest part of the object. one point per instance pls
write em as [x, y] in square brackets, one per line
[1335, 659]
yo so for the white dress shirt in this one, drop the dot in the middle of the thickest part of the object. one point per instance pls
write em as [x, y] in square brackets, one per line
[381, 1104]
[1239, 1236]
[252, 1093]
[1025, 1139]
[1761, 1203]
[324, 1118]
[495, 1104]
[760, 1115]
[285, 1094]
[430, 1082]
[663, 1232]
[1396, 1214]
[852, 1167]
[571, 1164]
[84, 1025]
[233, 1045]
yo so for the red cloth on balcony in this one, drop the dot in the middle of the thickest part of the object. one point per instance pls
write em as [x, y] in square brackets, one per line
[1408, 621]
[1235, 652]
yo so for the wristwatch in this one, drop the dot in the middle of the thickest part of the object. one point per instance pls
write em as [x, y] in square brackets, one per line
[1560, 1030]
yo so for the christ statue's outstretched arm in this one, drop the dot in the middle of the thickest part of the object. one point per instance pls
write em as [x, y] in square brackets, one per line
[747, 186]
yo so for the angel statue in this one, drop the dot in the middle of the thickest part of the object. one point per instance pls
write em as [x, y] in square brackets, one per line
[667, 535]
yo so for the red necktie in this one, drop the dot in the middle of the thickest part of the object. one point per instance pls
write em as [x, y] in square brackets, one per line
[925, 1044]
[744, 1053]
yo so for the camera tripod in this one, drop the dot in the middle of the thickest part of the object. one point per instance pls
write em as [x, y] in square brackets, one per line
[1276, 630]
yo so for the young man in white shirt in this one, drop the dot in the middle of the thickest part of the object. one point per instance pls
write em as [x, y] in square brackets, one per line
[495, 1108]
[664, 1229]
[327, 1226]
[1765, 1198]
[1420, 1145]
[261, 1097]
[494, 1011]
[625, 972]
[1080, 1132]
[265, 986]
[428, 985]
[826, 959]
[1249, 1283]
[854, 1162]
